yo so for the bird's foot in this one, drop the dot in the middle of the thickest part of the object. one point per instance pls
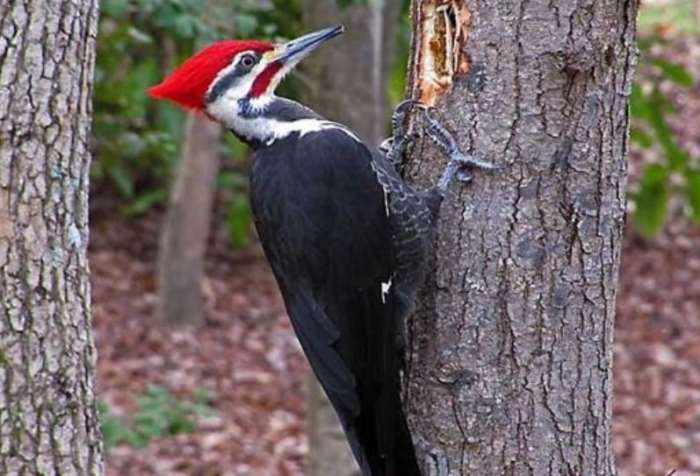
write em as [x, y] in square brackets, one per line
[394, 147]
[437, 463]
[459, 162]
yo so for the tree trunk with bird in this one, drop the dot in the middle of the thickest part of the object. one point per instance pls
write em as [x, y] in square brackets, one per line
[48, 412]
[511, 345]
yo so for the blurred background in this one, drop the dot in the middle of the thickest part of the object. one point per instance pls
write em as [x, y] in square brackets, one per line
[199, 372]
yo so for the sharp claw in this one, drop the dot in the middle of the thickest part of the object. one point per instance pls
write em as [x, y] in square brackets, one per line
[440, 135]
[386, 145]
[393, 147]
[406, 103]
[464, 176]
[474, 162]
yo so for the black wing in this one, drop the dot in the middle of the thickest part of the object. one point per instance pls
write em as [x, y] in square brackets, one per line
[322, 219]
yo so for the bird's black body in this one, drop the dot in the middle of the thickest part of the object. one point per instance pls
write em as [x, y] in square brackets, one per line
[322, 217]
[346, 237]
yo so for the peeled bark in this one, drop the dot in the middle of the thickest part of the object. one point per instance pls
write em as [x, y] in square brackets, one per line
[183, 242]
[347, 83]
[510, 369]
[48, 415]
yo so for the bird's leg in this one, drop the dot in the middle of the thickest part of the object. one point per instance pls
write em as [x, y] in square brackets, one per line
[459, 162]
[394, 147]
[437, 463]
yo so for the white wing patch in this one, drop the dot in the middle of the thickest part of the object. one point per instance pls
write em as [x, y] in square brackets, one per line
[279, 130]
[385, 289]
[267, 130]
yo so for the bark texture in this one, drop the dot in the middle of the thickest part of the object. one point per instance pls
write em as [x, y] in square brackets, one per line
[48, 416]
[348, 84]
[183, 241]
[510, 371]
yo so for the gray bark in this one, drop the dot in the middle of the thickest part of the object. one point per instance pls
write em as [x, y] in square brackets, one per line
[183, 241]
[347, 83]
[48, 416]
[510, 370]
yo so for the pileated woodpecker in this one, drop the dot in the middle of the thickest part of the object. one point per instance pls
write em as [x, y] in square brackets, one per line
[345, 236]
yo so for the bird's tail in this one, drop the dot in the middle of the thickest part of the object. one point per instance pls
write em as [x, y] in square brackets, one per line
[381, 441]
[379, 435]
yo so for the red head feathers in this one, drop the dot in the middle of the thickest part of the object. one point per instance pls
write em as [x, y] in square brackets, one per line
[188, 84]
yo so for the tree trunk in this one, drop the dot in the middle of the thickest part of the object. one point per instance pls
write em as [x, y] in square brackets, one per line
[348, 83]
[48, 415]
[183, 242]
[510, 370]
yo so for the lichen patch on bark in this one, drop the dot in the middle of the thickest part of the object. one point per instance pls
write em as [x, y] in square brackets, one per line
[441, 52]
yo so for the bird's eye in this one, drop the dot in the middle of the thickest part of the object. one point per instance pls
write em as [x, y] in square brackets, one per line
[247, 61]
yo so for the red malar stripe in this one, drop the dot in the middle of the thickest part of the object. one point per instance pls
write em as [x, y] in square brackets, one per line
[262, 82]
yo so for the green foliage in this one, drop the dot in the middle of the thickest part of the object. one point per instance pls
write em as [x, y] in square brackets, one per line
[676, 14]
[397, 78]
[136, 138]
[159, 414]
[238, 220]
[649, 107]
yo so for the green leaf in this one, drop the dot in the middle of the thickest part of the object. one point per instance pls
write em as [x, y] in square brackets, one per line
[692, 192]
[245, 24]
[638, 136]
[676, 157]
[122, 180]
[674, 71]
[238, 221]
[114, 432]
[652, 200]
[114, 8]
[145, 202]
[640, 106]
[231, 180]
[139, 36]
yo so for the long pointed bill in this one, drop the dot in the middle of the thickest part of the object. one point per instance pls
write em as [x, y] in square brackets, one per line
[295, 50]
[283, 58]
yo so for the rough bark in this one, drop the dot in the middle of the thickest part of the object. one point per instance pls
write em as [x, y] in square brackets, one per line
[183, 241]
[510, 370]
[48, 416]
[347, 83]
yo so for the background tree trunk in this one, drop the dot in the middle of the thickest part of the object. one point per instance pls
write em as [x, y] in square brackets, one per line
[348, 83]
[183, 242]
[48, 416]
[510, 370]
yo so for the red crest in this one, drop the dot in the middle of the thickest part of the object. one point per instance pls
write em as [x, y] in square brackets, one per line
[188, 84]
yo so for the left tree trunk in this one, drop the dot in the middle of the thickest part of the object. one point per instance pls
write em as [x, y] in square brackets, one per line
[48, 417]
[183, 241]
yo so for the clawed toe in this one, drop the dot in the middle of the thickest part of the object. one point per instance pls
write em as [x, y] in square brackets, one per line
[472, 161]
[464, 176]
[393, 148]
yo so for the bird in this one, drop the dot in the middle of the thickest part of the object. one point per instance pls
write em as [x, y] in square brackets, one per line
[346, 237]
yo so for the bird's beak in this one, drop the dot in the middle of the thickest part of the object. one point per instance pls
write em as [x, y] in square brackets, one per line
[293, 51]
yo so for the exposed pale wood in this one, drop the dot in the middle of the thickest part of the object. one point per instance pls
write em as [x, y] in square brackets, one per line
[48, 416]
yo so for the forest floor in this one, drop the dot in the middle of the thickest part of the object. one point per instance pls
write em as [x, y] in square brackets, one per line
[247, 359]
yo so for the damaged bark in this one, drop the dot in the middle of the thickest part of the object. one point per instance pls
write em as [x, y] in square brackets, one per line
[48, 415]
[510, 365]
